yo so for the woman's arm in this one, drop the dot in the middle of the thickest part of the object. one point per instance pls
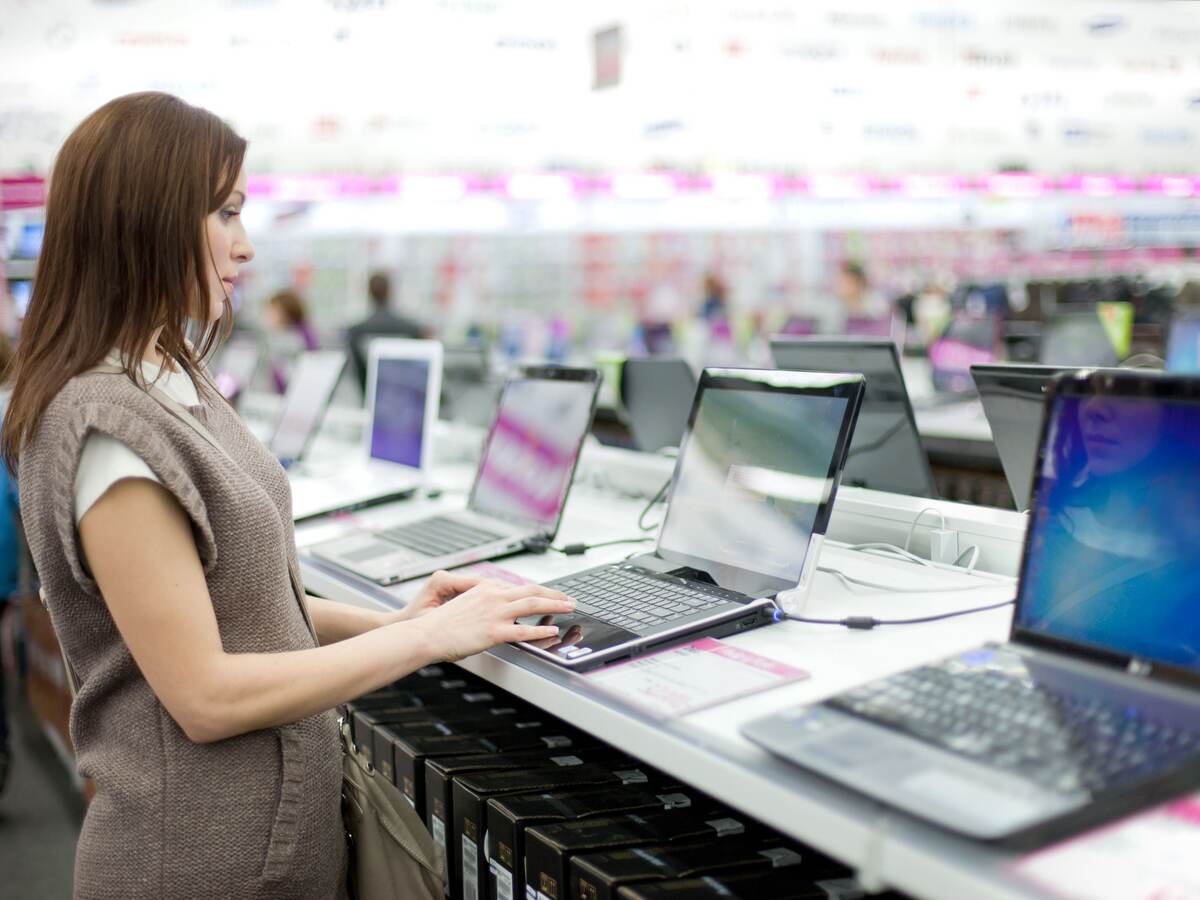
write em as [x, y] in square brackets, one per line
[139, 546]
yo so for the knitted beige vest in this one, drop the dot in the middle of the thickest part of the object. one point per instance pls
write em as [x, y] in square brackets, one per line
[256, 816]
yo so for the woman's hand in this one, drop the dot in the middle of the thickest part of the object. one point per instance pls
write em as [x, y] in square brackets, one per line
[485, 615]
[439, 588]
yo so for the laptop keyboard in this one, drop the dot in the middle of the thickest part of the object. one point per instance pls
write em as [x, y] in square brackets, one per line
[1061, 742]
[634, 599]
[438, 536]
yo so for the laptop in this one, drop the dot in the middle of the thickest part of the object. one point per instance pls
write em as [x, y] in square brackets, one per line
[1092, 708]
[1012, 397]
[310, 388]
[657, 394]
[750, 501]
[970, 339]
[235, 367]
[520, 487]
[886, 453]
[402, 402]
[1183, 344]
[1098, 337]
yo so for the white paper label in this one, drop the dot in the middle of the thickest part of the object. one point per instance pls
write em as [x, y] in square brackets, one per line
[470, 869]
[439, 838]
[504, 882]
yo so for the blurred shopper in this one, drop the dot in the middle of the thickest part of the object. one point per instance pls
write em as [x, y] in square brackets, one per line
[10, 556]
[161, 532]
[288, 333]
[382, 322]
[853, 292]
[716, 304]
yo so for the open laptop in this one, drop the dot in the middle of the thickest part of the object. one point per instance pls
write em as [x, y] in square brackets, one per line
[1097, 337]
[750, 500]
[886, 453]
[1092, 708]
[657, 394]
[1183, 344]
[235, 366]
[310, 388]
[971, 338]
[1012, 397]
[520, 487]
[403, 384]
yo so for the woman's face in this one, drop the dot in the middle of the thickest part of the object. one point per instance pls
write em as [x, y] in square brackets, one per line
[228, 246]
[1117, 436]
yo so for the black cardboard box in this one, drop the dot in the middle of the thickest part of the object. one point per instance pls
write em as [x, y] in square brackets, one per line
[598, 876]
[442, 770]
[468, 865]
[508, 817]
[549, 849]
[771, 884]
[367, 711]
[408, 754]
[446, 722]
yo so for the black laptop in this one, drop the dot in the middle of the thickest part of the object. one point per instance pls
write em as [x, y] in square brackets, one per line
[750, 501]
[1012, 397]
[886, 453]
[1092, 709]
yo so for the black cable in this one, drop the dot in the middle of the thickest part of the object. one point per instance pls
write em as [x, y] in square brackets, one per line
[649, 506]
[580, 549]
[866, 623]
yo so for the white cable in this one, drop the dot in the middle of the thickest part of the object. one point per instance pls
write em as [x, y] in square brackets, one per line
[912, 529]
[849, 580]
[889, 551]
[974, 551]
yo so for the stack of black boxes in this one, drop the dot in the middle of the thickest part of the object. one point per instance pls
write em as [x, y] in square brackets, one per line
[528, 808]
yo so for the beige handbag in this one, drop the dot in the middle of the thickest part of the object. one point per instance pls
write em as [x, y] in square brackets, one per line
[392, 855]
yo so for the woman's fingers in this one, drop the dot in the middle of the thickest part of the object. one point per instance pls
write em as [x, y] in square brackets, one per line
[537, 606]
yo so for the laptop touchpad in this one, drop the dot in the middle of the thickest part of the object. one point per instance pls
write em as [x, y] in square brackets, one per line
[578, 634]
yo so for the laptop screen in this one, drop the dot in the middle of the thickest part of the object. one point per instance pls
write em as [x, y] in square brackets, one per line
[1098, 337]
[1110, 561]
[310, 387]
[529, 458]
[969, 339]
[1012, 399]
[886, 453]
[1183, 345]
[398, 415]
[757, 473]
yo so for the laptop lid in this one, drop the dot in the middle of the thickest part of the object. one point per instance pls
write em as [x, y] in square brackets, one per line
[1097, 337]
[533, 446]
[970, 339]
[1110, 566]
[236, 365]
[657, 394]
[1183, 344]
[757, 473]
[1012, 397]
[310, 388]
[403, 389]
[886, 453]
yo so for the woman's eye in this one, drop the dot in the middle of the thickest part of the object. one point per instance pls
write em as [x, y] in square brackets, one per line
[228, 214]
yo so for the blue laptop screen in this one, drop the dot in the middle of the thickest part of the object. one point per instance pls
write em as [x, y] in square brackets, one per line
[398, 417]
[1183, 347]
[1112, 558]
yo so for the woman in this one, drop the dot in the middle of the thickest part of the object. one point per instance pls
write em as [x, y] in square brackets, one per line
[168, 560]
[286, 317]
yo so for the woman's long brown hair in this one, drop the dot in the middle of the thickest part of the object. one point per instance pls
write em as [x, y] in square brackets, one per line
[125, 250]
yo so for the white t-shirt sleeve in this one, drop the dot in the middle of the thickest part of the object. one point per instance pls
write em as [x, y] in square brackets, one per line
[103, 462]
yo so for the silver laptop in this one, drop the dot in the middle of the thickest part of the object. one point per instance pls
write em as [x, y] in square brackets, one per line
[1012, 397]
[886, 453]
[750, 500]
[403, 384]
[1092, 709]
[310, 388]
[235, 366]
[520, 487]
